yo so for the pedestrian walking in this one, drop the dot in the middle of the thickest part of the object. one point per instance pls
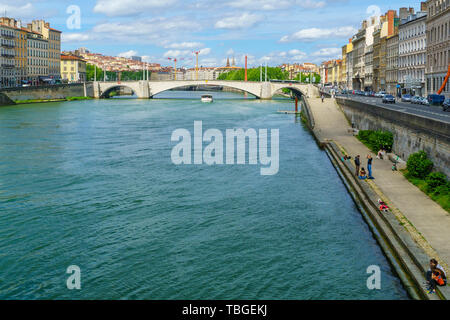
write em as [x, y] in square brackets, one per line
[357, 164]
[323, 97]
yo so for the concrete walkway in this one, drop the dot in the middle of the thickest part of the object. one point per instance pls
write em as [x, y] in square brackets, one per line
[426, 221]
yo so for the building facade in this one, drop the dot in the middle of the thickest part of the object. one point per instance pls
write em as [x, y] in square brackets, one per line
[21, 56]
[53, 37]
[73, 69]
[438, 45]
[412, 54]
[359, 48]
[392, 64]
[37, 57]
[7, 56]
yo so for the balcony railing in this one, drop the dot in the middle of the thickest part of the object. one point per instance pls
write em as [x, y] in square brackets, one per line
[7, 45]
[8, 66]
[7, 55]
[8, 36]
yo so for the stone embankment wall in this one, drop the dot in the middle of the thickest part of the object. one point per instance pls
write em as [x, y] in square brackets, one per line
[411, 133]
[49, 92]
[4, 100]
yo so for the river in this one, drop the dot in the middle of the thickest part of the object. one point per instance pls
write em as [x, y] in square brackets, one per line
[92, 184]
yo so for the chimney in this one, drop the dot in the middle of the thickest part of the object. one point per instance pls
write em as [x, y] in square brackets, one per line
[423, 6]
[390, 18]
[403, 13]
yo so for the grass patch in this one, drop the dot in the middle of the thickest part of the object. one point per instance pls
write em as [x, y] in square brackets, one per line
[440, 194]
[52, 100]
[78, 98]
[38, 101]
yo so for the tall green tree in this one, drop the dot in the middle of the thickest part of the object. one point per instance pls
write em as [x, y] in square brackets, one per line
[254, 74]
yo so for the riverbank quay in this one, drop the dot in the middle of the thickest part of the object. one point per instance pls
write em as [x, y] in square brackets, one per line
[5, 100]
[46, 93]
[416, 228]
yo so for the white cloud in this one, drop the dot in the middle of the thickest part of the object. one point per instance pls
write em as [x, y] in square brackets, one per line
[246, 20]
[176, 53]
[115, 8]
[75, 37]
[328, 52]
[268, 5]
[277, 58]
[205, 51]
[155, 30]
[310, 4]
[184, 45]
[16, 10]
[208, 62]
[317, 34]
[260, 4]
[128, 54]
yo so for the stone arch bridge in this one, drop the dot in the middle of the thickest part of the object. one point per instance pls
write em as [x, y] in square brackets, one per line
[148, 89]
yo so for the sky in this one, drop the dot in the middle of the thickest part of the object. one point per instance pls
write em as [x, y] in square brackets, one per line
[272, 31]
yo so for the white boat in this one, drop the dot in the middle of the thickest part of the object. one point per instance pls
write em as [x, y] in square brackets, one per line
[207, 98]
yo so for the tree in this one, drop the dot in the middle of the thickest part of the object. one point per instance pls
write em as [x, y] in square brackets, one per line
[418, 165]
[254, 74]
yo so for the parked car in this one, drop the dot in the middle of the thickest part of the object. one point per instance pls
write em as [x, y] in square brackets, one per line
[406, 98]
[388, 99]
[416, 100]
[436, 99]
[424, 101]
[446, 105]
[380, 94]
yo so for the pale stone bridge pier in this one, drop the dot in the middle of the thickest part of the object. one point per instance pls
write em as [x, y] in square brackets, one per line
[148, 89]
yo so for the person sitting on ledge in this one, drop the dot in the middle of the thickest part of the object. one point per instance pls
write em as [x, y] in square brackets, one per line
[381, 154]
[383, 206]
[363, 174]
[346, 157]
[436, 276]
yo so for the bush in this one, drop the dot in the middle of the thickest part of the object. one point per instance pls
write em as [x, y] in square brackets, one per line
[376, 140]
[442, 190]
[436, 180]
[419, 165]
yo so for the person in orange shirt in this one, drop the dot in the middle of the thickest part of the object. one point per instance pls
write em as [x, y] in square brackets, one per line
[436, 276]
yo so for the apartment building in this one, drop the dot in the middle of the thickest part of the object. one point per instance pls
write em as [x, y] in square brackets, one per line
[392, 64]
[53, 37]
[20, 47]
[37, 57]
[412, 54]
[73, 68]
[8, 37]
[438, 45]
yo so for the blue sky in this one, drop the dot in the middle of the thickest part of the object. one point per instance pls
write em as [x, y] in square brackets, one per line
[276, 31]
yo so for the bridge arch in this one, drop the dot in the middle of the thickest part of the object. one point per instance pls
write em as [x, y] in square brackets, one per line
[295, 90]
[161, 86]
[106, 93]
[176, 86]
[140, 88]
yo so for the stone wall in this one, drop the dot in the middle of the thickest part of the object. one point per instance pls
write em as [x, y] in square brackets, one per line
[49, 92]
[4, 100]
[411, 133]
